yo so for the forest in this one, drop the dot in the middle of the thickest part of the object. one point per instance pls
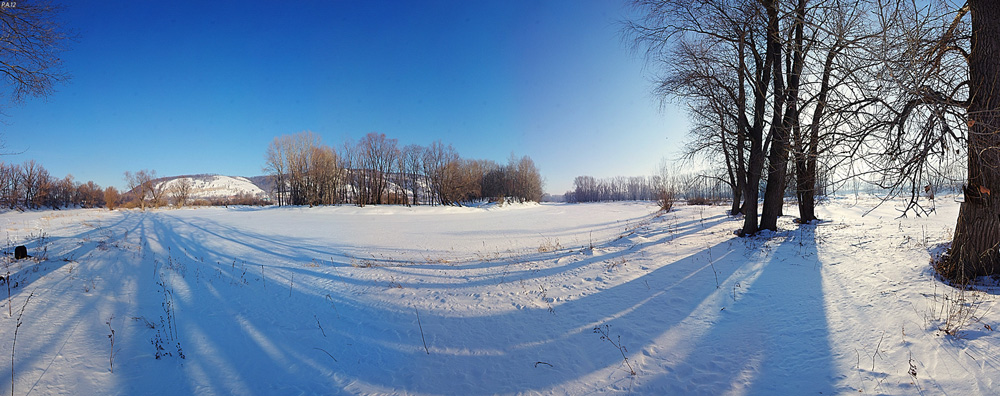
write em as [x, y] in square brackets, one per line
[30, 186]
[374, 170]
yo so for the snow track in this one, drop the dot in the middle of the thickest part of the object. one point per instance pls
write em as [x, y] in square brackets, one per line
[326, 300]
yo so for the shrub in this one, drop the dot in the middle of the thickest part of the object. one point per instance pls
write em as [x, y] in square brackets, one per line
[665, 199]
[699, 201]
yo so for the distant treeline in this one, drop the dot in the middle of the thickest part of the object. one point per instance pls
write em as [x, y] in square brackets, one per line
[695, 189]
[29, 186]
[375, 170]
[636, 188]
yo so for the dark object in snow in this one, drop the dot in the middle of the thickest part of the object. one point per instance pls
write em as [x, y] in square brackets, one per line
[20, 252]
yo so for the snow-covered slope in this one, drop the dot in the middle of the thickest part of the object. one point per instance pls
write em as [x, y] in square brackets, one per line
[518, 299]
[210, 187]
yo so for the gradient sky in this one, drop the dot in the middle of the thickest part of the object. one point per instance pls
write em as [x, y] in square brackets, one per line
[203, 87]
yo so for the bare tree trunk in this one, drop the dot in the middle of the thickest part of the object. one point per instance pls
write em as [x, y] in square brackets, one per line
[755, 168]
[807, 150]
[741, 168]
[778, 157]
[805, 179]
[974, 249]
[774, 196]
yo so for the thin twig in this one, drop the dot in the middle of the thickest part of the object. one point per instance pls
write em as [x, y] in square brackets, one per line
[605, 335]
[421, 331]
[10, 299]
[327, 354]
[111, 336]
[876, 350]
[14, 343]
[319, 325]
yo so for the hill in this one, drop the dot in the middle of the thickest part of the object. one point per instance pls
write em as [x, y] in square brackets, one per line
[217, 187]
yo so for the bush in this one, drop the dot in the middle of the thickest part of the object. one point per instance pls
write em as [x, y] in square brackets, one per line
[699, 201]
[665, 199]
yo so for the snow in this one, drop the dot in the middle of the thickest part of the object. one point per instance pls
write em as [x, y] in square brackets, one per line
[486, 300]
[216, 186]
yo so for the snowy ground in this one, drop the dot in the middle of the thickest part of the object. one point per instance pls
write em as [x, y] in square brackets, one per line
[488, 300]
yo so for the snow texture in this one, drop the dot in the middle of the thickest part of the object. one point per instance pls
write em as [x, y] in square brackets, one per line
[211, 187]
[488, 300]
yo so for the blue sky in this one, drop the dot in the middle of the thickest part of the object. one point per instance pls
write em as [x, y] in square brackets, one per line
[202, 87]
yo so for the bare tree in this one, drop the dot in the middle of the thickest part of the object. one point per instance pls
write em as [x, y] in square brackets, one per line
[32, 40]
[277, 167]
[410, 160]
[111, 197]
[713, 116]
[837, 31]
[352, 176]
[324, 176]
[305, 171]
[89, 195]
[180, 191]
[785, 102]
[378, 156]
[34, 180]
[743, 33]
[591, 189]
[437, 159]
[375, 171]
[760, 77]
[10, 184]
[157, 191]
[936, 92]
[140, 185]
[528, 180]
[67, 192]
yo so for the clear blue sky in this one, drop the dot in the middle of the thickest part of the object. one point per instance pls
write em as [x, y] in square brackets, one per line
[202, 87]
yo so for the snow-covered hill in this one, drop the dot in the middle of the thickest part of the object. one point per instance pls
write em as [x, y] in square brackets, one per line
[213, 187]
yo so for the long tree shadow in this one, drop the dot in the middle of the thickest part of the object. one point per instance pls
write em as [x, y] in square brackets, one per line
[311, 340]
[369, 345]
[772, 335]
[190, 238]
[65, 306]
[302, 328]
[51, 252]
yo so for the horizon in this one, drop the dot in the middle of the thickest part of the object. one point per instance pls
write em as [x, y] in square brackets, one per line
[156, 86]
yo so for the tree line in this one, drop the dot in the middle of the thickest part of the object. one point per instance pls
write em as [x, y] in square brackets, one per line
[695, 189]
[375, 170]
[893, 92]
[30, 186]
[621, 188]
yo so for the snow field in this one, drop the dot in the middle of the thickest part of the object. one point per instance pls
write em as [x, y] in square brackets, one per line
[444, 300]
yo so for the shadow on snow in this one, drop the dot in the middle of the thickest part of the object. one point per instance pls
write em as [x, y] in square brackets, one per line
[277, 320]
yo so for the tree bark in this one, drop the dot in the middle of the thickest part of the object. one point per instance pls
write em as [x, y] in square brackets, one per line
[807, 151]
[735, 175]
[741, 132]
[741, 168]
[785, 100]
[751, 193]
[805, 179]
[974, 249]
